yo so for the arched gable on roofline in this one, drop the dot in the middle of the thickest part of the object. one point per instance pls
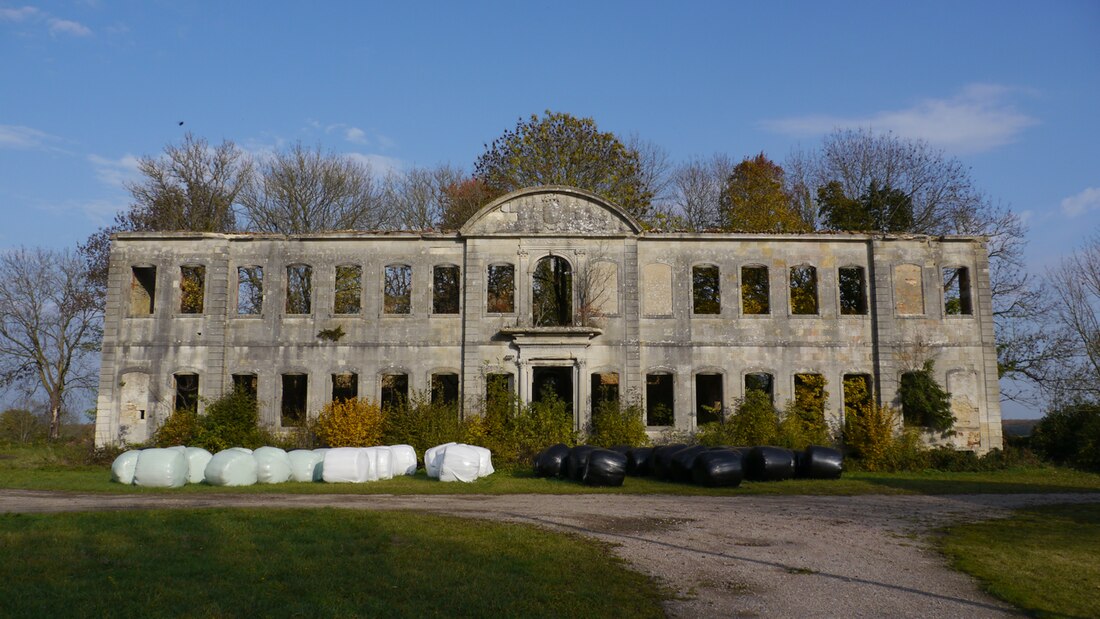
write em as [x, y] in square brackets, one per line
[550, 210]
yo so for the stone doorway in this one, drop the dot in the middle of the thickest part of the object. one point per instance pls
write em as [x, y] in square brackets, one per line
[556, 380]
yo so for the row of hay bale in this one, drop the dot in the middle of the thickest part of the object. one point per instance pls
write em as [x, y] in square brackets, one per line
[174, 467]
[705, 466]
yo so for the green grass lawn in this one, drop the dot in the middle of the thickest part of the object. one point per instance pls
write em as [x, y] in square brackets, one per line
[37, 468]
[1042, 560]
[308, 563]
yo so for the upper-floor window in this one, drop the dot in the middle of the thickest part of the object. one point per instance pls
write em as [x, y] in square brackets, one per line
[754, 290]
[192, 285]
[500, 289]
[803, 290]
[445, 289]
[956, 291]
[552, 292]
[397, 289]
[250, 290]
[299, 289]
[143, 290]
[706, 292]
[348, 291]
[853, 291]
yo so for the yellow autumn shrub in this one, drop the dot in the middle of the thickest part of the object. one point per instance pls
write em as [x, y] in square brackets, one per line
[355, 422]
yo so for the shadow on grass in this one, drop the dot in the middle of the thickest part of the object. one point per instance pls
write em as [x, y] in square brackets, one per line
[1019, 481]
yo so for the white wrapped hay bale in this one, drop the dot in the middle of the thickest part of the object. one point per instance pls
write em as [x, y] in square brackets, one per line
[122, 469]
[161, 468]
[232, 467]
[272, 465]
[197, 459]
[305, 465]
[484, 461]
[404, 459]
[382, 458]
[460, 463]
[346, 465]
[433, 458]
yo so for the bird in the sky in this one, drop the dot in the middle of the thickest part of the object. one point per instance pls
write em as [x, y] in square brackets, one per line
[181, 123]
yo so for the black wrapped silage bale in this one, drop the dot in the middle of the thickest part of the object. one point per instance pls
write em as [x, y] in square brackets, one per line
[576, 461]
[620, 448]
[637, 461]
[718, 468]
[819, 462]
[551, 461]
[660, 462]
[683, 460]
[769, 464]
[605, 468]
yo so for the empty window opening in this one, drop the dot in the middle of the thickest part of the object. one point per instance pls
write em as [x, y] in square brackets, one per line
[143, 290]
[397, 289]
[908, 289]
[857, 395]
[553, 383]
[445, 388]
[659, 400]
[706, 290]
[552, 293]
[853, 291]
[708, 398]
[345, 386]
[348, 289]
[754, 290]
[293, 405]
[192, 284]
[445, 289]
[250, 290]
[395, 391]
[762, 382]
[956, 291]
[299, 289]
[500, 289]
[245, 383]
[810, 394]
[187, 391]
[803, 290]
[605, 390]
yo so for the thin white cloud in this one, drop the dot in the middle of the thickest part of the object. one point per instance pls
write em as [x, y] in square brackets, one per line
[978, 119]
[355, 135]
[1087, 200]
[66, 26]
[115, 172]
[18, 137]
[380, 164]
[19, 14]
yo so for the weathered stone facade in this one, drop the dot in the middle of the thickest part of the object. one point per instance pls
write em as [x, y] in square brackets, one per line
[684, 318]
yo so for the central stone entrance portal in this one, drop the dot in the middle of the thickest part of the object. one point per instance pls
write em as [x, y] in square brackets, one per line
[553, 381]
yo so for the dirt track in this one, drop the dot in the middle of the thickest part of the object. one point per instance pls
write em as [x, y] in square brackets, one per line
[788, 556]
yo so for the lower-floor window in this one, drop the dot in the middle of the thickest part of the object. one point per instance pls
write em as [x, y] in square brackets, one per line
[659, 399]
[293, 402]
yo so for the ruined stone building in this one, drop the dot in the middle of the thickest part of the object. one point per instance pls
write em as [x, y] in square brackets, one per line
[548, 287]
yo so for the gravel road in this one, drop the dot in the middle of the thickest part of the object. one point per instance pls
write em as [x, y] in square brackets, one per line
[784, 556]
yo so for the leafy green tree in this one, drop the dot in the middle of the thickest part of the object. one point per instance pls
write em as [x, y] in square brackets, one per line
[19, 426]
[754, 199]
[878, 209]
[1070, 435]
[561, 149]
[923, 401]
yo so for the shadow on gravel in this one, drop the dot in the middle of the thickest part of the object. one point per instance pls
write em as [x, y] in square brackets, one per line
[790, 569]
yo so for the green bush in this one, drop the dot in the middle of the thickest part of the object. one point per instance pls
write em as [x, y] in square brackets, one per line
[1070, 435]
[181, 428]
[803, 422]
[614, 423]
[754, 422]
[229, 421]
[21, 426]
[923, 401]
[516, 432]
[356, 422]
[422, 423]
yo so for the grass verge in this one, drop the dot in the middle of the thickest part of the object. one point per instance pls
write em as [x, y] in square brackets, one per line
[1042, 560]
[312, 563]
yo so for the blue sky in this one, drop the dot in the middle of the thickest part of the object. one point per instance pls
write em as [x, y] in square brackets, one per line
[1010, 88]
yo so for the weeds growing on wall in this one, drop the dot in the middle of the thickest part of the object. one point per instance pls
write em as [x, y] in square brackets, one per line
[924, 402]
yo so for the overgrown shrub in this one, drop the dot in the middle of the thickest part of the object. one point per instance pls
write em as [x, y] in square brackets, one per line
[1070, 435]
[923, 401]
[516, 432]
[181, 428]
[803, 422]
[355, 422]
[229, 421]
[616, 423]
[422, 423]
[21, 426]
[754, 422]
